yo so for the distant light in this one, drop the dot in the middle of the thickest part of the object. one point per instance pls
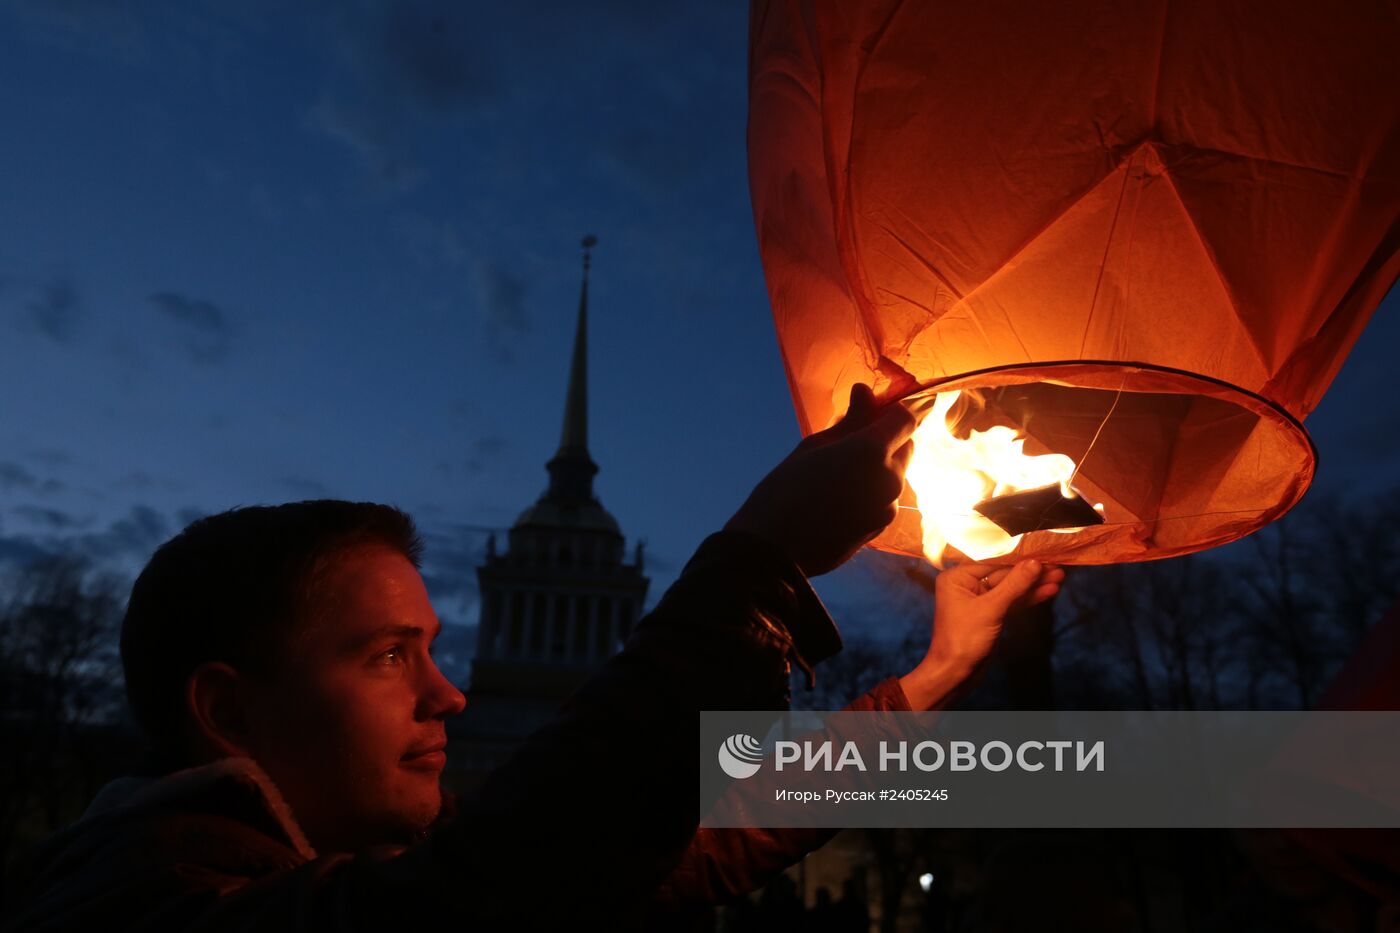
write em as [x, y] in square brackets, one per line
[926, 881]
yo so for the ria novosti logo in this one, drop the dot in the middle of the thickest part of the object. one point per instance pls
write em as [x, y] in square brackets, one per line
[740, 755]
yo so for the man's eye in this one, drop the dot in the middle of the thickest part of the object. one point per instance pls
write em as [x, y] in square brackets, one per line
[391, 657]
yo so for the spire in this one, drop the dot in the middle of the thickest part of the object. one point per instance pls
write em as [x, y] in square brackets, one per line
[571, 471]
[575, 433]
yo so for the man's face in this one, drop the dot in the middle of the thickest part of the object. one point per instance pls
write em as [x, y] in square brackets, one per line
[351, 728]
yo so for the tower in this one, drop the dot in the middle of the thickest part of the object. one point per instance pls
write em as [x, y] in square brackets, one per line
[559, 601]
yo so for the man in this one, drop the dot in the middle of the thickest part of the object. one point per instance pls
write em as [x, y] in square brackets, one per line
[278, 661]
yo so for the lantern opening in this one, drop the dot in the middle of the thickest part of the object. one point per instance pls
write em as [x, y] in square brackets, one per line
[1169, 462]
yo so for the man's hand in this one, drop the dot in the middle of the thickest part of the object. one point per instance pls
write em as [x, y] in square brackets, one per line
[971, 603]
[837, 489]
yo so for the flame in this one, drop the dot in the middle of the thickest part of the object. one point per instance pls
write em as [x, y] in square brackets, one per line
[950, 475]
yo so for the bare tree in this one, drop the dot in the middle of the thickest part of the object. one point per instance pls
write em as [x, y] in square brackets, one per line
[1288, 630]
[1356, 558]
[1263, 624]
[59, 674]
[1148, 636]
[1312, 585]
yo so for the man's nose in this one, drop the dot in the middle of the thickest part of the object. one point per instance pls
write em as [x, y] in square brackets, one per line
[439, 699]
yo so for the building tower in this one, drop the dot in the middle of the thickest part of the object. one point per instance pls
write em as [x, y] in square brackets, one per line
[559, 601]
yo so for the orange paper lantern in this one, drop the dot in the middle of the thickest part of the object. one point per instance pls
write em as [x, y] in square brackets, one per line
[1147, 234]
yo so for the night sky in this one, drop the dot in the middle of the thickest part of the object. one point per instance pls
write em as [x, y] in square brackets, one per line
[253, 256]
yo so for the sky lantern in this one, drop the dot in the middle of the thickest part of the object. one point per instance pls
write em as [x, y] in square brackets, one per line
[1112, 253]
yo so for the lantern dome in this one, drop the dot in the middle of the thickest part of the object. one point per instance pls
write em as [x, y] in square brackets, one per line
[1143, 236]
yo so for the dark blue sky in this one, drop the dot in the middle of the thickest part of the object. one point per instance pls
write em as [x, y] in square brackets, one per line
[252, 256]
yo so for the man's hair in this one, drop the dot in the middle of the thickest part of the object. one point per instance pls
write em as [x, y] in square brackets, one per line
[235, 587]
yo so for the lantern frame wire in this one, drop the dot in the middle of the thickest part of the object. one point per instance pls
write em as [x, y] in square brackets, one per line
[1102, 424]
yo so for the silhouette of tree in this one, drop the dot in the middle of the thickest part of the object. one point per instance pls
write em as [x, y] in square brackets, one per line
[59, 674]
[1147, 636]
[1313, 585]
[1264, 624]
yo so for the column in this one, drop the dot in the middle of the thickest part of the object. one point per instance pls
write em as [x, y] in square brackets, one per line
[571, 630]
[490, 623]
[514, 621]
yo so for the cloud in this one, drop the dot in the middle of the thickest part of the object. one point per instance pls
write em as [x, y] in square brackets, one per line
[137, 534]
[15, 476]
[95, 26]
[56, 311]
[407, 63]
[500, 302]
[51, 457]
[453, 651]
[125, 542]
[305, 487]
[140, 480]
[51, 519]
[451, 554]
[652, 560]
[427, 51]
[654, 164]
[484, 451]
[203, 327]
[370, 134]
[189, 515]
[430, 242]
[20, 550]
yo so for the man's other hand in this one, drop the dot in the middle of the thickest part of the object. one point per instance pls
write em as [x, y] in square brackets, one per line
[837, 489]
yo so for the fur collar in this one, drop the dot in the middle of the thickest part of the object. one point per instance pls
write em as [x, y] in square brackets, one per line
[242, 775]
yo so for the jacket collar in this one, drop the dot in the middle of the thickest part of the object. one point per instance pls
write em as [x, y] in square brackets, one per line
[241, 776]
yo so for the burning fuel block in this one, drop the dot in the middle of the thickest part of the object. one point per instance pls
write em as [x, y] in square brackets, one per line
[1040, 509]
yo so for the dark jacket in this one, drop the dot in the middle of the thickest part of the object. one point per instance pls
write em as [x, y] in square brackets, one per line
[594, 818]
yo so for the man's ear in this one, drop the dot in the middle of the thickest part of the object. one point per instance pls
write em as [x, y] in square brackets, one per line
[216, 701]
